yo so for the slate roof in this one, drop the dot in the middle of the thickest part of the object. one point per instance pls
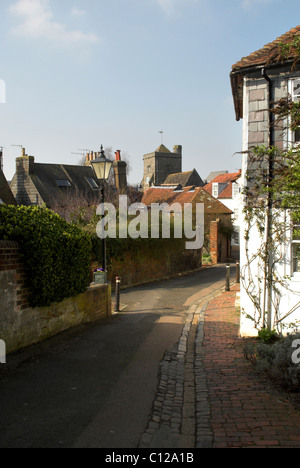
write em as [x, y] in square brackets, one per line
[214, 174]
[271, 53]
[5, 192]
[228, 179]
[185, 179]
[183, 195]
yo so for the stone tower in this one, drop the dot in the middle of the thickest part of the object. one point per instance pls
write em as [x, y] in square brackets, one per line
[159, 164]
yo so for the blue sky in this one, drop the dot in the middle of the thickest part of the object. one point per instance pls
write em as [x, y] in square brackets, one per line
[79, 74]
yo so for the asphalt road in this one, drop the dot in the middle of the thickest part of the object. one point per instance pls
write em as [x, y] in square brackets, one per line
[93, 386]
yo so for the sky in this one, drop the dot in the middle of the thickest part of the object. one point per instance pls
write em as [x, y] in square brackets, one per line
[78, 74]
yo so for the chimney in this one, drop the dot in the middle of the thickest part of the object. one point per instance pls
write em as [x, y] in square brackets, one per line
[120, 172]
[177, 149]
[118, 155]
[25, 163]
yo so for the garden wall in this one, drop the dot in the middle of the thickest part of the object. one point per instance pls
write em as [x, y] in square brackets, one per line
[143, 266]
[21, 325]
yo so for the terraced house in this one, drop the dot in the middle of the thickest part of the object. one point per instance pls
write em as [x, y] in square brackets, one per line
[258, 81]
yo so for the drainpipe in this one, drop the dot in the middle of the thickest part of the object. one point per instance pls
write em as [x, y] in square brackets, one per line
[268, 270]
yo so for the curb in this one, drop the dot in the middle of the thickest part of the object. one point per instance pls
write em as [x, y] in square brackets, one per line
[181, 409]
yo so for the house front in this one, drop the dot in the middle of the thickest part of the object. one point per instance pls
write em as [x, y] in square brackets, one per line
[227, 189]
[270, 292]
[217, 217]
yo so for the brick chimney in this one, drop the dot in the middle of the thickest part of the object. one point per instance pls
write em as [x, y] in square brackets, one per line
[25, 163]
[119, 167]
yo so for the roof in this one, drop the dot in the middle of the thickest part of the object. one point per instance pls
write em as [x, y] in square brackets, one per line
[184, 195]
[227, 180]
[271, 53]
[185, 179]
[162, 149]
[214, 174]
[6, 195]
[45, 179]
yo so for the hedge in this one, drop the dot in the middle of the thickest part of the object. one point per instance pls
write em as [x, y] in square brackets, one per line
[57, 254]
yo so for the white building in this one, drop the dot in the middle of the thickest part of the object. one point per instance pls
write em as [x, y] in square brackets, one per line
[257, 81]
[227, 188]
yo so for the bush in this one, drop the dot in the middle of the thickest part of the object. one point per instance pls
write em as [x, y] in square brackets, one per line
[275, 361]
[56, 254]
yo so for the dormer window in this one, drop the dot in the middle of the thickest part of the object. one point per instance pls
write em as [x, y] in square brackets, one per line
[63, 183]
[93, 184]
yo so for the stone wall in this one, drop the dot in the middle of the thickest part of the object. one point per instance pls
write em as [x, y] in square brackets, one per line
[144, 268]
[21, 325]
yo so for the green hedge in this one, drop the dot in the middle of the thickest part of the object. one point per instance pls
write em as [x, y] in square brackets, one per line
[57, 254]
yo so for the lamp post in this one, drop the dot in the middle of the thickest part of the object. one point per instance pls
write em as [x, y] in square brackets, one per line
[102, 167]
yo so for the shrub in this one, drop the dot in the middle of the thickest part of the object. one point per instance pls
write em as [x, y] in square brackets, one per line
[276, 362]
[56, 254]
[267, 336]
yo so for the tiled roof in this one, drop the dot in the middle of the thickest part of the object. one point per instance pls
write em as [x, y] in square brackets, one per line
[270, 53]
[184, 195]
[224, 179]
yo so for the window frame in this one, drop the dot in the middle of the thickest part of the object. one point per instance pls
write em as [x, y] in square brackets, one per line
[295, 274]
[215, 189]
[294, 97]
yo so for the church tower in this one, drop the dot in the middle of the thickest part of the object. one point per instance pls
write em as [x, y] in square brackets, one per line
[159, 164]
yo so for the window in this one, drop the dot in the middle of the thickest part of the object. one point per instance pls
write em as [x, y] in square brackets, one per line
[63, 183]
[296, 251]
[295, 93]
[215, 190]
[92, 183]
[235, 190]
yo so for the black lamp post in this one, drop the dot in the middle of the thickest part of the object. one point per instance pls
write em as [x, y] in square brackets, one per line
[102, 167]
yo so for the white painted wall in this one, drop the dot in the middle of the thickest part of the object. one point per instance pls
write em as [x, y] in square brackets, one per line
[253, 277]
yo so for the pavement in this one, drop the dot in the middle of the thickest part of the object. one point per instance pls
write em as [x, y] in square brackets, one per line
[209, 395]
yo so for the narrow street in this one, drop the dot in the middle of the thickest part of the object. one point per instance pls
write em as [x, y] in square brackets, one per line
[94, 386]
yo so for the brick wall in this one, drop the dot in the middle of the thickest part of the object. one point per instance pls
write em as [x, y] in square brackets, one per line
[11, 264]
[21, 325]
[220, 248]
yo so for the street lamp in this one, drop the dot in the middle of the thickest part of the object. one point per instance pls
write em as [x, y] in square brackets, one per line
[102, 167]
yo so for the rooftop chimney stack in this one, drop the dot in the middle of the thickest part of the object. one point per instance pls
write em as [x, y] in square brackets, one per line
[120, 167]
[25, 163]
